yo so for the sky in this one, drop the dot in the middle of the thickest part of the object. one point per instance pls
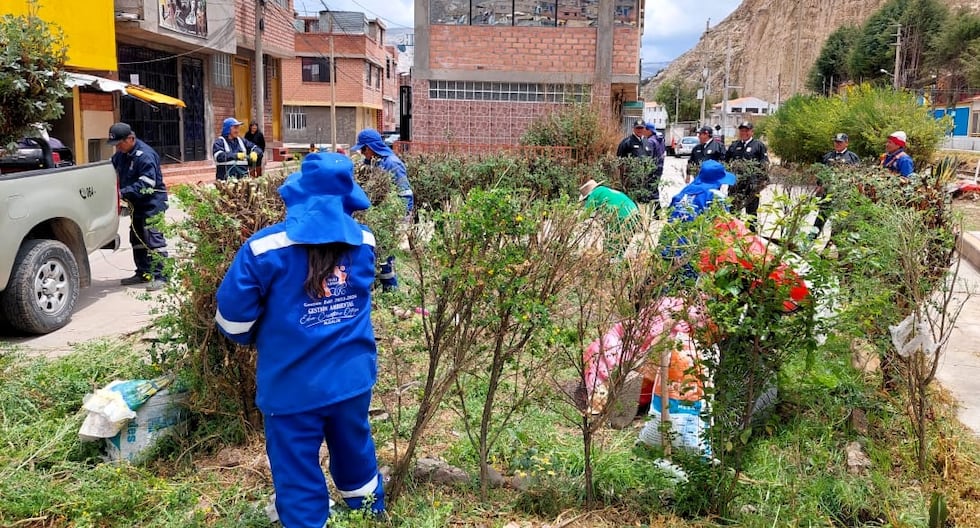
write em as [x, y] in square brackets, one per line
[671, 26]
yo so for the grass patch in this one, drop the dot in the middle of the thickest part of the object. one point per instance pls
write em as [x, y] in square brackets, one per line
[795, 475]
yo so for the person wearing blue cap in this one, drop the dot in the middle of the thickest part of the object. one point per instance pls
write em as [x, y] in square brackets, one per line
[300, 291]
[657, 149]
[376, 153]
[232, 153]
[712, 182]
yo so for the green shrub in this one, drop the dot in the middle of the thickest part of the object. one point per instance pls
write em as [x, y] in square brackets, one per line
[579, 126]
[436, 178]
[802, 129]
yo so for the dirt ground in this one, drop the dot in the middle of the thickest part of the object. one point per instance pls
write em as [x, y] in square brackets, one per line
[969, 207]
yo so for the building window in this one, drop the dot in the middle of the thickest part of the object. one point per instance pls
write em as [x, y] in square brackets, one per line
[221, 66]
[316, 69]
[372, 75]
[507, 91]
[976, 124]
[295, 117]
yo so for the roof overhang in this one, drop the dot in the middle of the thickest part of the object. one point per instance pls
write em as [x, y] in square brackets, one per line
[108, 85]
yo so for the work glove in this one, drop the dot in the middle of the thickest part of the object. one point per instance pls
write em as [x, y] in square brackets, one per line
[253, 157]
[241, 155]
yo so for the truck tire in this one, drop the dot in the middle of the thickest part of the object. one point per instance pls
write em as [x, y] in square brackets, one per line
[43, 287]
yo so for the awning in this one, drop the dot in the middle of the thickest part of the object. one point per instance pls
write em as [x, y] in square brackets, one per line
[100, 83]
[150, 96]
[108, 85]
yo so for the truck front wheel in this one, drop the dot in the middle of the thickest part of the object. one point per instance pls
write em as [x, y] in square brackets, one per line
[41, 294]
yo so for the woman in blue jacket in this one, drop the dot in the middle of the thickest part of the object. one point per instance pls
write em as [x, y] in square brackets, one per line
[300, 290]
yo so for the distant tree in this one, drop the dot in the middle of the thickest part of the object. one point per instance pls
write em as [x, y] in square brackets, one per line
[32, 55]
[971, 68]
[685, 95]
[831, 67]
[874, 49]
[952, 58]
[922, 23]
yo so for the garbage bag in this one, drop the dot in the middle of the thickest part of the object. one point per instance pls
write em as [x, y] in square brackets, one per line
[110, 407]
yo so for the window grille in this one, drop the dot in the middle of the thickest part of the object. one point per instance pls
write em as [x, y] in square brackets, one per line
[508, 91]
[221, 66]
[295, 117]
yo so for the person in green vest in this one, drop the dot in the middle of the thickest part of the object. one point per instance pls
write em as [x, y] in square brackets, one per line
[604, 200]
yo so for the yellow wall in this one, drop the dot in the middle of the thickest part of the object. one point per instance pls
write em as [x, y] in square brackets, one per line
[89, 28]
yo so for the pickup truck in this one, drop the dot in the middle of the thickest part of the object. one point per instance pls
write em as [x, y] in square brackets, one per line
[50, 220]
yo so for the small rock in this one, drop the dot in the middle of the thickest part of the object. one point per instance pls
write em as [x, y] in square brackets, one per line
[857, 461]
[864, 356]
[859, 422]
[495, 478]
[748, 509]
[519, 483]
[439, 472]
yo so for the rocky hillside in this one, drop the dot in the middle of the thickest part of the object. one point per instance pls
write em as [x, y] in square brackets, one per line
[774, 43]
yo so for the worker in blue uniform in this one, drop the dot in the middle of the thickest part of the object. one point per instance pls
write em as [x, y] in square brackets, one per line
[232, 152]
[141, 186]
[377, 153]
[300, 291]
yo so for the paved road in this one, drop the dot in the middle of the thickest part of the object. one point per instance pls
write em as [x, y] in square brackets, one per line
[105, 309]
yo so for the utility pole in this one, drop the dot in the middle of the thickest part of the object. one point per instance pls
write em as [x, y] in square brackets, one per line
[259, 65]
[796, 61]
[724, 102]
[898, 57]
[704, 70]
[333, 89]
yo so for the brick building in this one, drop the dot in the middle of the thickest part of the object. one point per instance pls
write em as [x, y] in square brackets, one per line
[362, 81]
[485, 69]
[202, 53]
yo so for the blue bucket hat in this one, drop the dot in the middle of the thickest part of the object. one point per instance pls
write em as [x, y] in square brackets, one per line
[370, 137]
[227, 124]
[714, 173]
[320, 199]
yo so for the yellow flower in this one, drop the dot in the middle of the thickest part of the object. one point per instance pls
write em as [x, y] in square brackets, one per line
[518, 218]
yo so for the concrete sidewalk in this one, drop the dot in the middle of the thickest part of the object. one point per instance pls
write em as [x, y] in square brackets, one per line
[959, 370]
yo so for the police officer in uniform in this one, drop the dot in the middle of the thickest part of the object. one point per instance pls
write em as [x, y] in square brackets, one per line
[709, 148]
[752, 174]
[636, 145]
[141, 185]
[839, 156]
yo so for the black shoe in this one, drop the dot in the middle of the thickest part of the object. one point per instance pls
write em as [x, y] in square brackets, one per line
[139, 278]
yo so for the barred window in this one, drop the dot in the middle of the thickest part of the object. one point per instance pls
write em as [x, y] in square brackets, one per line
[316, 69]
[221, 68]
[507, 91]
[295, 117]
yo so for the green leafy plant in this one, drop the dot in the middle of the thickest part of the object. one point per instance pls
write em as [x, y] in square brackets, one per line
[801, 130]
[582, 127]
[32, 57]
